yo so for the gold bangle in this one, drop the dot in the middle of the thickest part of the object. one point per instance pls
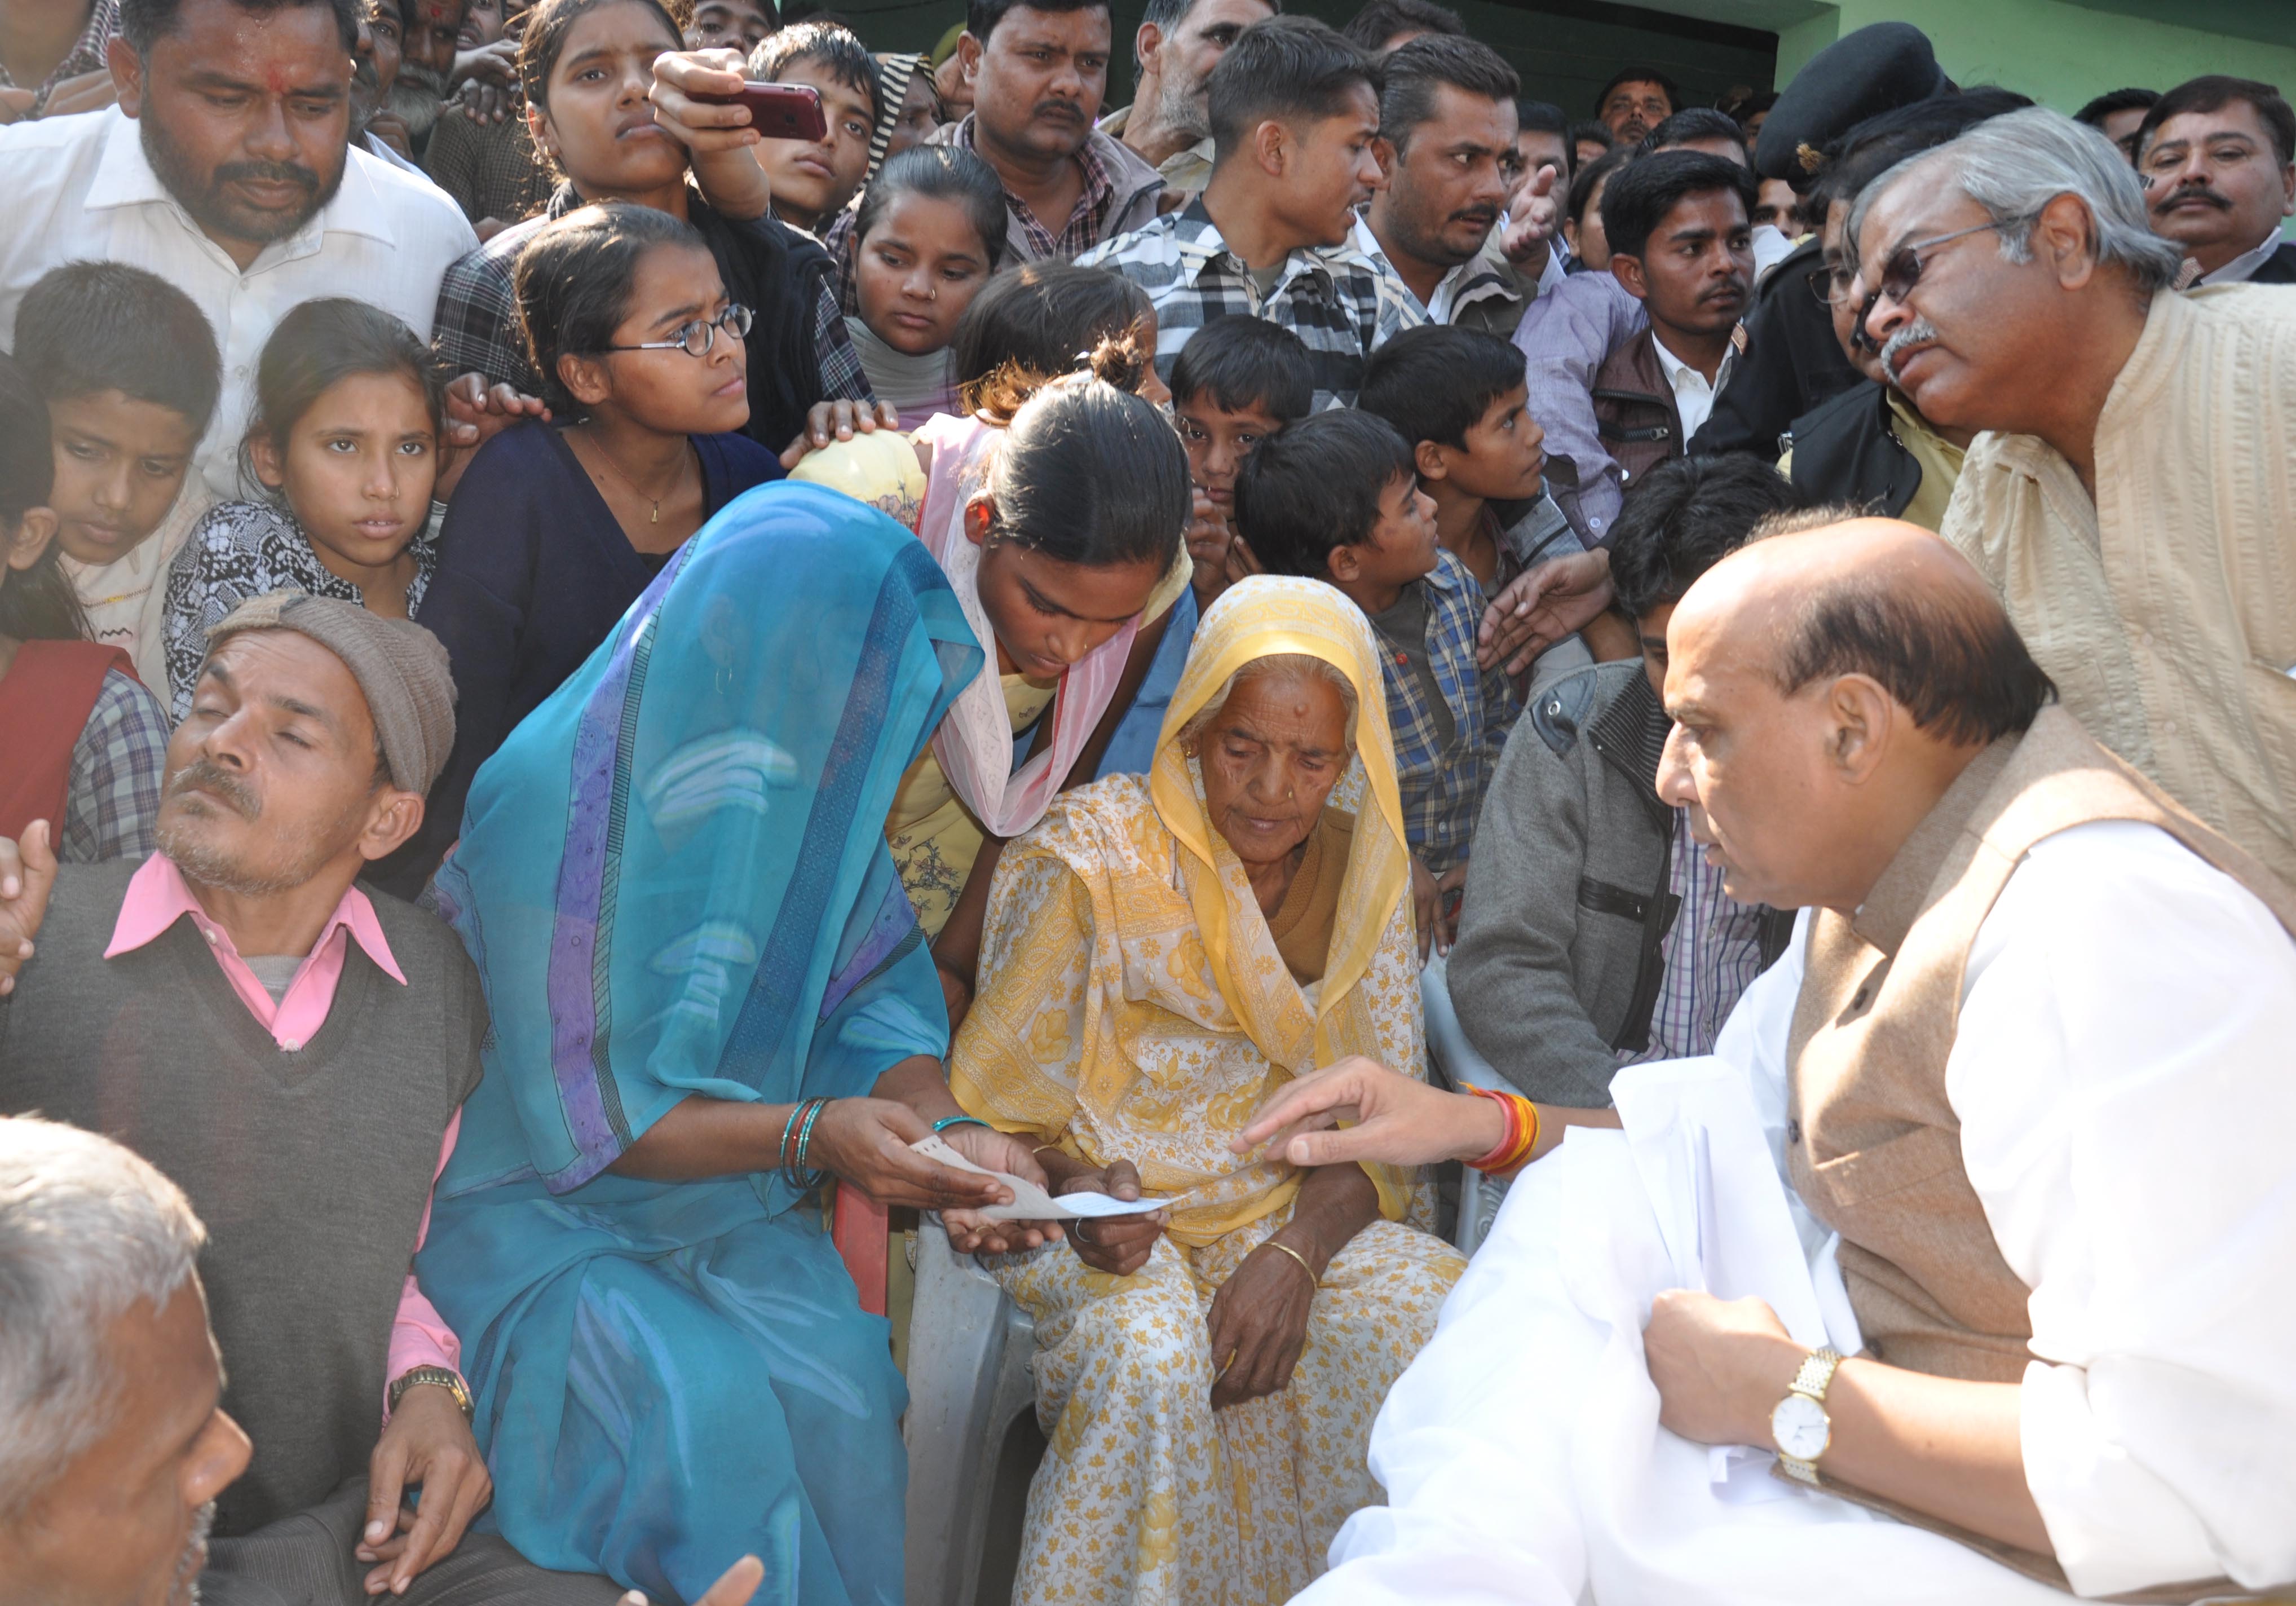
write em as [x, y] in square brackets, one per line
[1285, 1249]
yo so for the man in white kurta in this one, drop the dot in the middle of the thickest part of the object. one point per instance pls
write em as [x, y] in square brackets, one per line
[2120, 1077]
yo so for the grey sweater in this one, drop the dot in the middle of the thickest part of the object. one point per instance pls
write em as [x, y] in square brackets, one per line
[1560, 951]
[311, 1169]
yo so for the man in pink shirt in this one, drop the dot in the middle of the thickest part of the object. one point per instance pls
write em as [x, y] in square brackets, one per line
[293, 1052]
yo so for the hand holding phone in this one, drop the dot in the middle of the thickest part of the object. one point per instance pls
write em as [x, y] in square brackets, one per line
[778, 110]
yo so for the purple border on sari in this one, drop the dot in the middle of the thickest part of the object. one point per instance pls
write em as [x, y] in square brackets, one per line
[577, 1058]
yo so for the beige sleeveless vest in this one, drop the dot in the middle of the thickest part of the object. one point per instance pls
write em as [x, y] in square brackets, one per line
[1874, 1145]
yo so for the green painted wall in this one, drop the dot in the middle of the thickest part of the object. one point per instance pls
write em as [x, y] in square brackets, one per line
[2062, 53]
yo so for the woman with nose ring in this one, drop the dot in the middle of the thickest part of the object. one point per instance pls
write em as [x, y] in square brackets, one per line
[1160, 954]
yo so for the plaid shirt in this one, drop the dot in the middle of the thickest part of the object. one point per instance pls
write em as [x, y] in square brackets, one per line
[86, 56]
[111, 800]
[1342, 304]
[1442, 785]
[1713, 951]
[491, 169]
[476, 329]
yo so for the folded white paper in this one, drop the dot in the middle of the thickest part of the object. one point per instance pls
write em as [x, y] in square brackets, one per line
[1031, 1202]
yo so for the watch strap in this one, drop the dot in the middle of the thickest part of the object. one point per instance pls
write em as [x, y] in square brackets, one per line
[1811, 1380]
[438, 1377]
[1816, 1373]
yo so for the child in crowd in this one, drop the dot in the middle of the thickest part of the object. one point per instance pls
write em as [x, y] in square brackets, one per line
[1043, 317]
[83, 746]
[1337, 498]
[1582, 212]
[1459, 397]
[931, 233]
[563, 524]
[130, 369]
[344, 446]
[813, 180]
[1237, 380]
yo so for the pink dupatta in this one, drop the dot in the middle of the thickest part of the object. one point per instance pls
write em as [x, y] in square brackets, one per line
[974, 742]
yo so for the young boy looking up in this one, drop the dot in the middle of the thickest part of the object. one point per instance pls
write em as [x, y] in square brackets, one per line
[1459, 396]
[129, 370]
[813, 179]
[1238, 380]
[1337, 498]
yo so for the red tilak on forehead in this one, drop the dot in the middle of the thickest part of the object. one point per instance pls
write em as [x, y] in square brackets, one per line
[275, 79]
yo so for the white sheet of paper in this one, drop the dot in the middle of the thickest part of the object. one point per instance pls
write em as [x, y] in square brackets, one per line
[1031, 1202]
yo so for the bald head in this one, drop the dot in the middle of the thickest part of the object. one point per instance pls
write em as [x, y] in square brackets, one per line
[1828, 684]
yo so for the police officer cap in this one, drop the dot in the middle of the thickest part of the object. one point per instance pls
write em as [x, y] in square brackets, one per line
[1877, 69]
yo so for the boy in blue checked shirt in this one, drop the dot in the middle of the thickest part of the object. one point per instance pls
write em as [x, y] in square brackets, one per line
[1337, 498]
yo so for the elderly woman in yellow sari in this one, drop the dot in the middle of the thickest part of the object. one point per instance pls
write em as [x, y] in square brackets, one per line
[1160, 954]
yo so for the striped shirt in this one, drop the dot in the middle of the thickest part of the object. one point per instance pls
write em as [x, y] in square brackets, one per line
[1449, 717]
[1713, 951]
[1340, 303]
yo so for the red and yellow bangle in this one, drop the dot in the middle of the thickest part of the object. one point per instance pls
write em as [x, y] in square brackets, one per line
[1522, 1131]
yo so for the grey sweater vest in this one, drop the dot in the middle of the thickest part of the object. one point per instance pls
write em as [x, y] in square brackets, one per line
[311, 1169]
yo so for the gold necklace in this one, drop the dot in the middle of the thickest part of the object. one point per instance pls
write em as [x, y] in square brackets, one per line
[623, 474]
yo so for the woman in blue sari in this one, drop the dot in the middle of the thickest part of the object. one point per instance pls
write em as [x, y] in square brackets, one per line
[674, 880]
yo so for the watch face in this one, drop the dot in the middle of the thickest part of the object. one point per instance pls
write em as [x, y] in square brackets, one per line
[1800, 1427]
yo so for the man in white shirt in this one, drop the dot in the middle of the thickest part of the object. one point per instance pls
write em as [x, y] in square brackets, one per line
[2023, 1080]
[2218, 156]
[1447, 110]
[226, 169]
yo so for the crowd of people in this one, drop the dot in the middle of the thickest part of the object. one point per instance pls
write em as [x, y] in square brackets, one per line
[618, 614]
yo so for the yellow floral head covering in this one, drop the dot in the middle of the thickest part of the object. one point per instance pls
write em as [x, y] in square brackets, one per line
[1264, 617]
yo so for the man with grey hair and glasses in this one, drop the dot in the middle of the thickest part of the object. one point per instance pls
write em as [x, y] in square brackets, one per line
[2133, 494]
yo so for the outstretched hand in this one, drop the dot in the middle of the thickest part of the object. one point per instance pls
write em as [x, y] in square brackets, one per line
[1541, 606]
[28, 873]
[1532, 220]
[1398, 1120]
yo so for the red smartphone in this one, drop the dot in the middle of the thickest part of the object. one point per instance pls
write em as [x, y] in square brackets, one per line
[779, 110]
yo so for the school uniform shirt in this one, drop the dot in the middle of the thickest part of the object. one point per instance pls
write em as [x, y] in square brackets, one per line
[80, 188]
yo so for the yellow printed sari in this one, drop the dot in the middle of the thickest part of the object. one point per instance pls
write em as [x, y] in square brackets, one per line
[1133, 1005]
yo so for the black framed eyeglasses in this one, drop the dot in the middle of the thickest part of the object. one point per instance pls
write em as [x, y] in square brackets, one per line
[696, 339]
[1830, 286]
[1902, 269]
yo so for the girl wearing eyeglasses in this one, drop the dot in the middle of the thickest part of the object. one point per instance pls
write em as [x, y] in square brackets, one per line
[558, 526]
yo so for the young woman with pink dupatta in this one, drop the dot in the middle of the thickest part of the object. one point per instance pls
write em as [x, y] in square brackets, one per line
[1057, 510]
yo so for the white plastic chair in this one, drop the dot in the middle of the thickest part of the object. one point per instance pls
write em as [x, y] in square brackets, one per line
[1453, 1059]
[969, 1382]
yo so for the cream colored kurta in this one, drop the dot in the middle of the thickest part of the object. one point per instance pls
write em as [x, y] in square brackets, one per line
[2165, 609]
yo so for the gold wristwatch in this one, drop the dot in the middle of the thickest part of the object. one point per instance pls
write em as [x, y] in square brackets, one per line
[438, 1377]
[1800, 1426]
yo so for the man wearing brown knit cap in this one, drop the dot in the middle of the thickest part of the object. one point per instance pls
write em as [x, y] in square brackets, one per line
[293, 1052]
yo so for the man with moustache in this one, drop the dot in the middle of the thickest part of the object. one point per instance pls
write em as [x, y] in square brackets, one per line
[2132, 493]
[1169, 120]
[1446, 111]
[293, 1052]
[1294, 113]
[227, 168]
[2218, 156]
[1037, 73]
[1679, 226]
[430, 33]
[1635, 101]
